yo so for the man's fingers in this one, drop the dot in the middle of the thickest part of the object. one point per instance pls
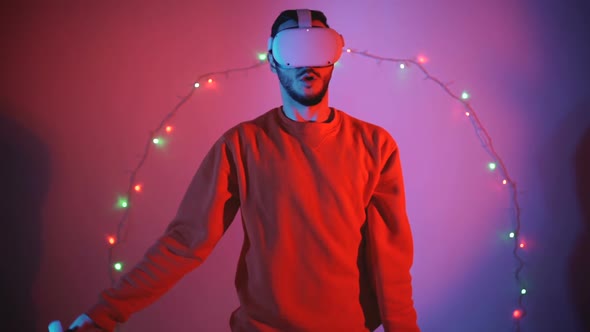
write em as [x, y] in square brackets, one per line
[86, 327]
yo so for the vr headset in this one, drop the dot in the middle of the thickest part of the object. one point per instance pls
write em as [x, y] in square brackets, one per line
[306, 45]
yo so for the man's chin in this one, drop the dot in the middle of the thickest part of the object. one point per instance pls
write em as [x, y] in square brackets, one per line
[306, 99]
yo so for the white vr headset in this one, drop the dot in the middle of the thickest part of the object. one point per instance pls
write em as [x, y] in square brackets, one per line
[306, 45]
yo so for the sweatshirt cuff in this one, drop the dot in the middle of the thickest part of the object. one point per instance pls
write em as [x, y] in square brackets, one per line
[100, 314]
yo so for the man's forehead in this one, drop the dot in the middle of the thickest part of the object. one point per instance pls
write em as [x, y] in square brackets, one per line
[293, 24]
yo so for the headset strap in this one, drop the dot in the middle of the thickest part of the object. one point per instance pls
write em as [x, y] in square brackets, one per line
[304, 18]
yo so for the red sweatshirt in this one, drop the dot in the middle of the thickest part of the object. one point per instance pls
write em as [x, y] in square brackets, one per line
[327, 242]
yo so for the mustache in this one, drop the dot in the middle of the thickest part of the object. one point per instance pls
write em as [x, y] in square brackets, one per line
[307, 71]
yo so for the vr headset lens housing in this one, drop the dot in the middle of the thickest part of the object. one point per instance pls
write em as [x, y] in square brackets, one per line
[306, 47]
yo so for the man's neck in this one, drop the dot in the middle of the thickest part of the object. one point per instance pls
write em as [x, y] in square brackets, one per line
[316, 113]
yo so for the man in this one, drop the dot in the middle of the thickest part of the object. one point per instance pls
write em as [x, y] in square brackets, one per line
[327, 242]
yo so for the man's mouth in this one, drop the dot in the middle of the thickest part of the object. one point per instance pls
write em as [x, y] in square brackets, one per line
[308, 75]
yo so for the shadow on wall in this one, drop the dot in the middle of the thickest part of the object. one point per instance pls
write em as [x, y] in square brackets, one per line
[561, 228]
[24, 181]
[579, 260]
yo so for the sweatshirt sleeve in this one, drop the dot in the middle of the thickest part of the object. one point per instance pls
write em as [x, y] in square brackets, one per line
[390, 246]
[206, 211]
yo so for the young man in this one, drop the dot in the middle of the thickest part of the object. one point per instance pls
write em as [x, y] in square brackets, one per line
[327, 242]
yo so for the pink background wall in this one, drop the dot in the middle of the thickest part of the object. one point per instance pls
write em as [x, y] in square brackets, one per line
[86, 81]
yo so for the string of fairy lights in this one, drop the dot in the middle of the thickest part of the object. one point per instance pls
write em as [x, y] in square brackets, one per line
[158, 135]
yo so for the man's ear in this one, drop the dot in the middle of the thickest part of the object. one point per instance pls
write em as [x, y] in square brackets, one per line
[271, 62]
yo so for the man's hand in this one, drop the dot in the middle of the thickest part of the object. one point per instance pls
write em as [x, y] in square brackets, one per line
[86, 327]
[82, 324]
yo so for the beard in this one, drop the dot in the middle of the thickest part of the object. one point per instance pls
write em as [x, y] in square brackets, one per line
[288, 83]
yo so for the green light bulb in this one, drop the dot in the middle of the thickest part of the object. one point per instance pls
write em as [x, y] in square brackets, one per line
[523, 291]
[262, 56]
[492, 166]
[123, 202]
[464, 95]
[118, 266]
